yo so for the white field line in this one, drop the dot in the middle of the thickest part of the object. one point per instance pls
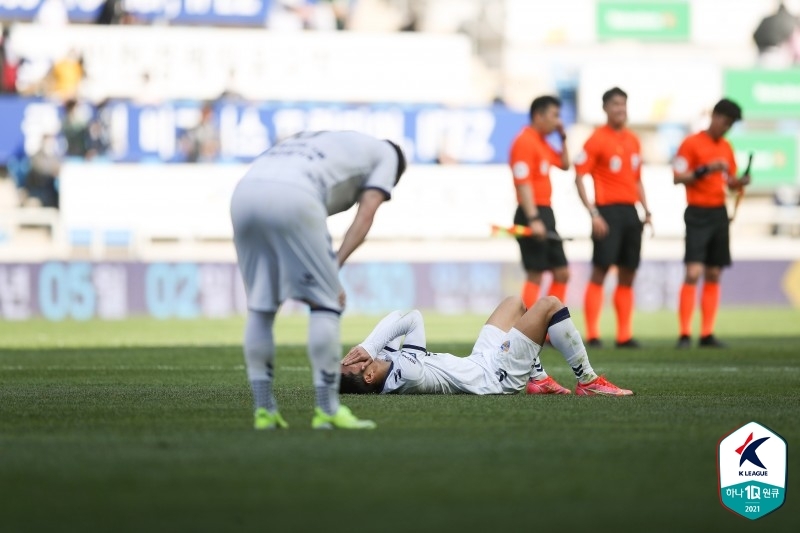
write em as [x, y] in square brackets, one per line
[164, 368]
[626, 369]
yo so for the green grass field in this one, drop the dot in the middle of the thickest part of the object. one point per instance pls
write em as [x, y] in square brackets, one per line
[145, 426]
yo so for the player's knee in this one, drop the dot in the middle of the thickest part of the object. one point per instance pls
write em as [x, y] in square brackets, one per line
[561, 275]
[416, 313]
[553, 303]
[513, 301]
[548, 305]
[691, 278]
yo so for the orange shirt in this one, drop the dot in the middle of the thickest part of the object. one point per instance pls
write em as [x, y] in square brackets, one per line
[613, 159]
[530, 162]
[700, 149]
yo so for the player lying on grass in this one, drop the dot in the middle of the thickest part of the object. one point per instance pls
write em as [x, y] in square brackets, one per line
[504, 360]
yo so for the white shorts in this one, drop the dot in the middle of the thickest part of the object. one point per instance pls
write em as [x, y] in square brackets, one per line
[508, 358]
[283, 246]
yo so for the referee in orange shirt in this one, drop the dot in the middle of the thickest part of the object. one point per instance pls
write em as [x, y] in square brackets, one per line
[530, 159]
[706, 166]
[612, 157]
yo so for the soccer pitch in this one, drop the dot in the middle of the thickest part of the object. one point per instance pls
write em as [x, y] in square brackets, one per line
[142, 425]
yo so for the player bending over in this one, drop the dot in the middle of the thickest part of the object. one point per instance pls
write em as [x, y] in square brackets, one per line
[505, 358]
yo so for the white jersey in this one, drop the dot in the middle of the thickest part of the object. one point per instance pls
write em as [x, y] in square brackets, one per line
[336, 165]
[414, 370]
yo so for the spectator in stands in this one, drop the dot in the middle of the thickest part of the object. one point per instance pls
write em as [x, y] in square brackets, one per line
[231, 91]
[112, 12]
[52, 13]
[98, 135]
[776, 37]
[45, 166]
[28, 74]
[8, 63]
[31, 75]
[18, 164]
[64, 79]
[287, 15]
[327, 14]
[149, 93]
[341, 10]
[201, 142]
[75, 128]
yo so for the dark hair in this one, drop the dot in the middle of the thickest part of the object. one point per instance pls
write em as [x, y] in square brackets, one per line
[352, 383]
[728, 108]
[542, 103]
[612, 92]
[401, 160]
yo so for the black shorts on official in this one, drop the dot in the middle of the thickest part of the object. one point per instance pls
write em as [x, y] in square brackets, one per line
[623, 244]
[537, 254]
[707, 236]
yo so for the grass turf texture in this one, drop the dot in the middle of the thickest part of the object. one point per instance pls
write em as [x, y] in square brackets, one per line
[145, 426]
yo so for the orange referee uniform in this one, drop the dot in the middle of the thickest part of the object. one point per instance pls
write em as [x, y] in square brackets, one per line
[530, 159]
[707, 226]
[700, 149]
[613, 158]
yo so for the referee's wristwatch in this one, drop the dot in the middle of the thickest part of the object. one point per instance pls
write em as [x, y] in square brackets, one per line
[534, 218]
[594, 212]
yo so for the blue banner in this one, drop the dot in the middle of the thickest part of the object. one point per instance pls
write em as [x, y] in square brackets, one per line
[238, 131]
[25, 10]
[201, 12]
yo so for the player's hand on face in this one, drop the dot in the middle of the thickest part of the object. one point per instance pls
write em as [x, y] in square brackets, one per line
[357, 354]
[538, 230]
[599, 227]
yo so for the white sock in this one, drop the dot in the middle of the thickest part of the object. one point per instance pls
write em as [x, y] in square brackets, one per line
[259, 356]
[325, 353]
[537, 370]
[566, 339]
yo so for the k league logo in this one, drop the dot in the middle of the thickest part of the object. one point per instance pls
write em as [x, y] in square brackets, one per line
[751, 466]
[748, 453]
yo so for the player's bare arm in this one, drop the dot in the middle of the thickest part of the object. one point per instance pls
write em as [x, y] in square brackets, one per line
[599, 225]
[643, 201]
[564, 151]
[693, 175]
[368, 204]
[525, 192]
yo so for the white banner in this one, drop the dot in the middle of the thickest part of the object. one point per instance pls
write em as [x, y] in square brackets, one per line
[201, 63]
[431, 202]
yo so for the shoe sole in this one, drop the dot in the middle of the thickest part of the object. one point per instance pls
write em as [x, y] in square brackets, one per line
[330, 426]
[598, 393]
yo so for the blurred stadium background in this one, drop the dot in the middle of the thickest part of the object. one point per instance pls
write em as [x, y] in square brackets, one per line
[124, 125]
[146, 112]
